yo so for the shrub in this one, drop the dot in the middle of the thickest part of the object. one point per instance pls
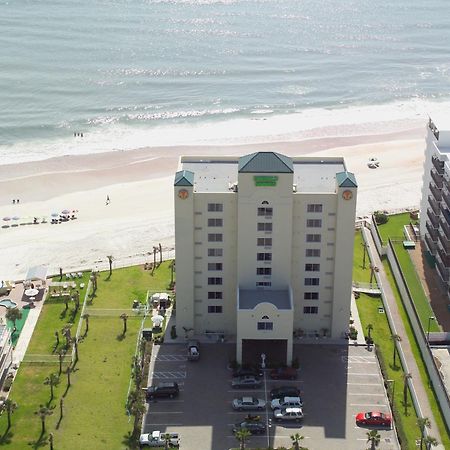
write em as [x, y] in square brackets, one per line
[353, 333]
[380, 217]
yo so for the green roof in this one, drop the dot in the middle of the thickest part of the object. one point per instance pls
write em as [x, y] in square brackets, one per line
[184, 178]
[265, 162]
[346, 179]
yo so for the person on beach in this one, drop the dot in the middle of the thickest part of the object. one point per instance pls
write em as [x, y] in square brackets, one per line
[108, 201]
[14, 201]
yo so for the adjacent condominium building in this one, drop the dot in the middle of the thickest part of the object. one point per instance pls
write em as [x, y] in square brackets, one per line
[264, 249]
[435, 204]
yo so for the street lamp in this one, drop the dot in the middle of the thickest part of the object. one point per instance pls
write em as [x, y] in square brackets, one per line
[428, 329]
[392, 385]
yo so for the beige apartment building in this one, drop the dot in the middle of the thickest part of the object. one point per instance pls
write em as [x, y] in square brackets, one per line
[264, 249]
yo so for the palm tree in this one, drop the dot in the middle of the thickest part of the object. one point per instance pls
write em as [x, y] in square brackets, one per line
[124, 317]
[75, 346]
[423, 422]
[76, 299]
[61, 355]
[242, 436]
[369, 329]
[9, 406]
[57, 339]
[110, 261]
[160, 253]
[52, 380]
[61, 408]
[406, 377]
[13, 314]
[67, 333]
[430, 441]
[66, 302]
[395, 338]
[50, 440]
[172, 269]
[94, 282]
[296, 438]
[69, 371]
[155, 249]
[43, 412]
[374, 438]
[85, 316]
[166, 438]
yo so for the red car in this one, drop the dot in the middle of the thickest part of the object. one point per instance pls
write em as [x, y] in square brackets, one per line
[283, 373]
[373, 418]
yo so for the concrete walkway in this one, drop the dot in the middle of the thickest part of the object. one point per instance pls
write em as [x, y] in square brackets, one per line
[416, 381]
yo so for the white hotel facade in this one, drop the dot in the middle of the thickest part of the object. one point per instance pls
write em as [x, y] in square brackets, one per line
[264, 247]
[435, 204]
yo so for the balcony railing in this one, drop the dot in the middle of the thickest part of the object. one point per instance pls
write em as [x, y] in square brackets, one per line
[433, 218]
[438, 179]
[445, 196]
[442, 271]
[433, 129]
[431, 245]
[432, 232]
[438, 165]
[435, 205]
[446, 214]
[444, 257]
[436, 192]
[445, 242]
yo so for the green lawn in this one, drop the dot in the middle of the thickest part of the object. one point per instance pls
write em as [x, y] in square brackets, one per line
[394, 227]
[94, 405]
[360, 274]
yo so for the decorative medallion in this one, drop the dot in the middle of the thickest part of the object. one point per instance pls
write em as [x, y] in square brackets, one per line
[183, 194]
[347, 195]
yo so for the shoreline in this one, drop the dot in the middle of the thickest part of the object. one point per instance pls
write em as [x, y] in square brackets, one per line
[140, 185]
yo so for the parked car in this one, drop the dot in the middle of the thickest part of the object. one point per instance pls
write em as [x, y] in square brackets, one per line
[288, 414]
[373, 418]
[251, 371]
[283, 373]
[254, 427]
[193, 351]
[248, 404]
[245, 382]
[158, 439]
[170, 390]
[284, 391]
[286, 402]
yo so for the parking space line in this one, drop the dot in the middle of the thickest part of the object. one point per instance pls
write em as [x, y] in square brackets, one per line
[368, 404]
[240, 391]
[364, 374]
[365, 394]
[363, 384]
[168, 375]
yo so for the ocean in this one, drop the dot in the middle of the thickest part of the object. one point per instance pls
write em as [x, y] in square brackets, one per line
[136, 73]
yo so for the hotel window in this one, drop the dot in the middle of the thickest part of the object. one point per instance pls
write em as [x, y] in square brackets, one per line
[215, 207]
[215, 237]
[310, 309]
[312, 281]
[263, 271]
[312, 267]
[314, 207]
[215, 251]
[263, 283]
[214, 266]
[264, 256]
[215, 222]
[263, 226]
[267, 212]
[313, 252]
[313, 238]
[214, 280]
[264, 242]
[215, 295]
[217, 309]
[265, 326]
[314, 223]
[311, 296]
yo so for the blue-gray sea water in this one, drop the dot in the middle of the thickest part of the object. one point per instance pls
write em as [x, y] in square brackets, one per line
[130, 73]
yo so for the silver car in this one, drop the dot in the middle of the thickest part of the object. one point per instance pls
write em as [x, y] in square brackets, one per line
[286, 402]
[288, 414]
[245, 382]
[248, 404]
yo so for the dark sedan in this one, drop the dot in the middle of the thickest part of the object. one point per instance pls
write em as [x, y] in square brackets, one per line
[284, 391]
[253, 427]
[283, 373]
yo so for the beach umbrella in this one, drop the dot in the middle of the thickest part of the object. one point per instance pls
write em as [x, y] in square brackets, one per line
[65, 211]
[157, 320]
[55, 214]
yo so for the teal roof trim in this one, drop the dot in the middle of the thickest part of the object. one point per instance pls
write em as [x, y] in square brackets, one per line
[346, 179]
[265, 162]
[184, 178]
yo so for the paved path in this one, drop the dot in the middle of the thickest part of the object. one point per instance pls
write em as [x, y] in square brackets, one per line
[416, 382]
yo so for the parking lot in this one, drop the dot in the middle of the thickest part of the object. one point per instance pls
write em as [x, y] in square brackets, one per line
[336, 383]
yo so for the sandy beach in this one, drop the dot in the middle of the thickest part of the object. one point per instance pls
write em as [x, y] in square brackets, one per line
[139, 185]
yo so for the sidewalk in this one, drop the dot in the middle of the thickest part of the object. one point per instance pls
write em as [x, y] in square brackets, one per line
[416, 381]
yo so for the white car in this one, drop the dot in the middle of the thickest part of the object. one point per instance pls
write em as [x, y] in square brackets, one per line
[288, 414]
[158, 439]
[286, 402]
[248, 404]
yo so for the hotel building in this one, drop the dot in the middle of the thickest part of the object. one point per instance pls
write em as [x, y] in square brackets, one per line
[264, 248]
[435, 204]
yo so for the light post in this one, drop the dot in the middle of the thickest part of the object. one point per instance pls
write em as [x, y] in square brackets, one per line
[392, 385]
[428, 329]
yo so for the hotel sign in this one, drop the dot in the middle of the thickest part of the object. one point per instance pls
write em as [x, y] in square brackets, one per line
[265, 180]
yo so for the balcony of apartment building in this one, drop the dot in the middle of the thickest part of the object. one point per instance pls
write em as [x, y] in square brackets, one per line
[434, 218]
[444, 255]
[435, 204]
[446, 214]
[433, 129]
[433, 232]
[445, 197]
[444, 241]
[430, 244]
[438, 165]
[435, 191]
[437, 178]
[442, 271]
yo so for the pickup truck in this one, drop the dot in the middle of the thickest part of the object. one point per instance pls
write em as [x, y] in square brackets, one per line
[158, 439]
[193, 351]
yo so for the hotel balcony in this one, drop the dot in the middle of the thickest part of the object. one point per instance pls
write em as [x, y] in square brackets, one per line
[438, 165]
[433, 129]
[445, 242]
[446, 214]
[442, 271]
[430, 244]
[435, 205]
[445, 196]
[433, 218]
[432, 232]
[436, 192]
[438, 179]
[445, 258]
